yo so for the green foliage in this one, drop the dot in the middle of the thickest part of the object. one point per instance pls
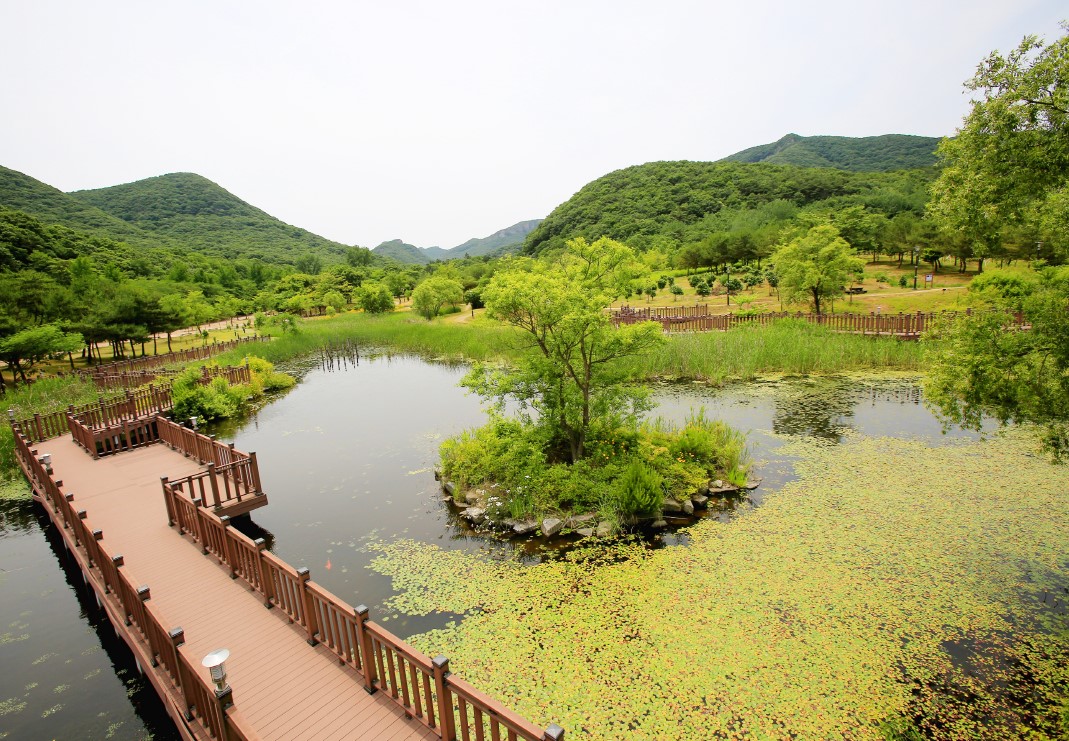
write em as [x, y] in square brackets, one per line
[979, 368]
[217, 400]
[375, 298]
[638, 491]
[430, 296]
[816, 267]
[869, 153]
[712, 212]
[191, 210]
[812, 616]
[568, 376]
[24, 349]
[1006, 167]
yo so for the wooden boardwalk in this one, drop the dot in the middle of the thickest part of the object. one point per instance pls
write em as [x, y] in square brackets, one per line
[178, 583]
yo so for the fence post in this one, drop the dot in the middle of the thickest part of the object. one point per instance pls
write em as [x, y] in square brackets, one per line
[198, 503]
[446, 723]
[215, 486]
[254, 469]
[367, 664]
[178, 638]
[97, 535]
[118, 562]
[228, 547]
[265, 573]
[553, 733]
[303, 575]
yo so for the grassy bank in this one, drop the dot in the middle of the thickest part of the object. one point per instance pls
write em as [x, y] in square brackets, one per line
[743, 353]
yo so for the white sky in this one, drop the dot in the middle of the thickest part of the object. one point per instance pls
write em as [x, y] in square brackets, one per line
[439, 121]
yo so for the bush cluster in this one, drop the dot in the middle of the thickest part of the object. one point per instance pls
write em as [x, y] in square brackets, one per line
[626, 473]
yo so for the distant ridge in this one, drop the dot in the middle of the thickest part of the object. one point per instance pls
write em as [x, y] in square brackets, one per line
[862, 154]
[52, 206]
[190, 209]
[509, 239]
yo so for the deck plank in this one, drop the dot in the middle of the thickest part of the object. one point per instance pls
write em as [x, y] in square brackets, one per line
[284, 688]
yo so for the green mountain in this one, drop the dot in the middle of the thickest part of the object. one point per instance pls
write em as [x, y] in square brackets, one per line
[681, 202]
[48, 205]
[193, 211]
[505, 240]
[509, 238]
[404, 252]
[864, 154]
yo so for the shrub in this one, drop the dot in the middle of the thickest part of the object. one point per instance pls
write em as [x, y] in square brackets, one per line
[903, 281]
[883, 278]
[639, 490]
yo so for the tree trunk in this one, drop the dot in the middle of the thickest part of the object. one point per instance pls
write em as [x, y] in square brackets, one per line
[169, 342]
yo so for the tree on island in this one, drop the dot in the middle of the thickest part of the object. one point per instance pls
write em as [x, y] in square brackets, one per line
[568, 376]
[816, 266]
[1007, 169]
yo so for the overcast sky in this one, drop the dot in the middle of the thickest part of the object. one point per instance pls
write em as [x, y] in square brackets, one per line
[438, 121]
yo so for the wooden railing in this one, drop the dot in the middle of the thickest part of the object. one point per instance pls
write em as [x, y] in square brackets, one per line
[234, 375]
[905, 326]
[127, 435]
[146, 362]
[424, 688]
[205, 712]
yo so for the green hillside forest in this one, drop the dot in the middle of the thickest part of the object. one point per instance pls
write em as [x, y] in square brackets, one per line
[862, 154]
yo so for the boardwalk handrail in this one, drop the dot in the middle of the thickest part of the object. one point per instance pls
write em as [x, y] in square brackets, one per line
[901, 325]
[234, 374]
[146, 362]
[205, 712]
[424, 688]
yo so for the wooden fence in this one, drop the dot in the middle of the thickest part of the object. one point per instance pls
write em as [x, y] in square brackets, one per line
[113, 411]
[194, 700]
[423, 687]
[903, 326]
[234, 374]
[146, 362]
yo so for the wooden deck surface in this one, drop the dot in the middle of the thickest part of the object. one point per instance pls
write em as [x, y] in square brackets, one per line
[291, 691]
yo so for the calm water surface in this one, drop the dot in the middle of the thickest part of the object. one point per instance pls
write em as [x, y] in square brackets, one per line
[347, 458]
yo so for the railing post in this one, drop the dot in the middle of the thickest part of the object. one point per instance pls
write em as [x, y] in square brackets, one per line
[254, 470]
[172, 516]
[265, 573]
[446, 723]
[97, 535]
[214, 480]
[553, 733]
[197, 504]
[81, 515]
[228, 548]
[40, 430]
[303, 575]
[367, 662]
[118, 561]
[178, 638]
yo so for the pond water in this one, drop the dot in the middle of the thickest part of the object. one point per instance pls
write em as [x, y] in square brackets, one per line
[347, 458]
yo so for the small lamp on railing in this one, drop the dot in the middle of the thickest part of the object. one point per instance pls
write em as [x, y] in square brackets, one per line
[193, 421]
[216, 666]
[46, 461]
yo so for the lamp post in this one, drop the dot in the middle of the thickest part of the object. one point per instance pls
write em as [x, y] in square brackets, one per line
[214, 663]
[916, 264]
[1039, 246]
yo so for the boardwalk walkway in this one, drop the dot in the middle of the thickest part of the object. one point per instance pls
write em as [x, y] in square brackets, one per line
[178, 582]
[290, 691]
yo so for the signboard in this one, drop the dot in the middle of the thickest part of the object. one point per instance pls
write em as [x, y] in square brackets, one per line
[928, 278]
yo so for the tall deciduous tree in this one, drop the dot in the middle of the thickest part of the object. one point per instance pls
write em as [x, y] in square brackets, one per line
[433, 294]
[1009, 164]
[568, 376]
[816, 267]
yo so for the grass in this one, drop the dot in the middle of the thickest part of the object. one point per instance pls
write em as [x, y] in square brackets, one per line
[788, 347]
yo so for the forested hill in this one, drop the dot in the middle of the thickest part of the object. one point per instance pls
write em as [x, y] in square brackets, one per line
[504, 240]
[681, 202]
[195, 212]
[864, 154]
[20, 192]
